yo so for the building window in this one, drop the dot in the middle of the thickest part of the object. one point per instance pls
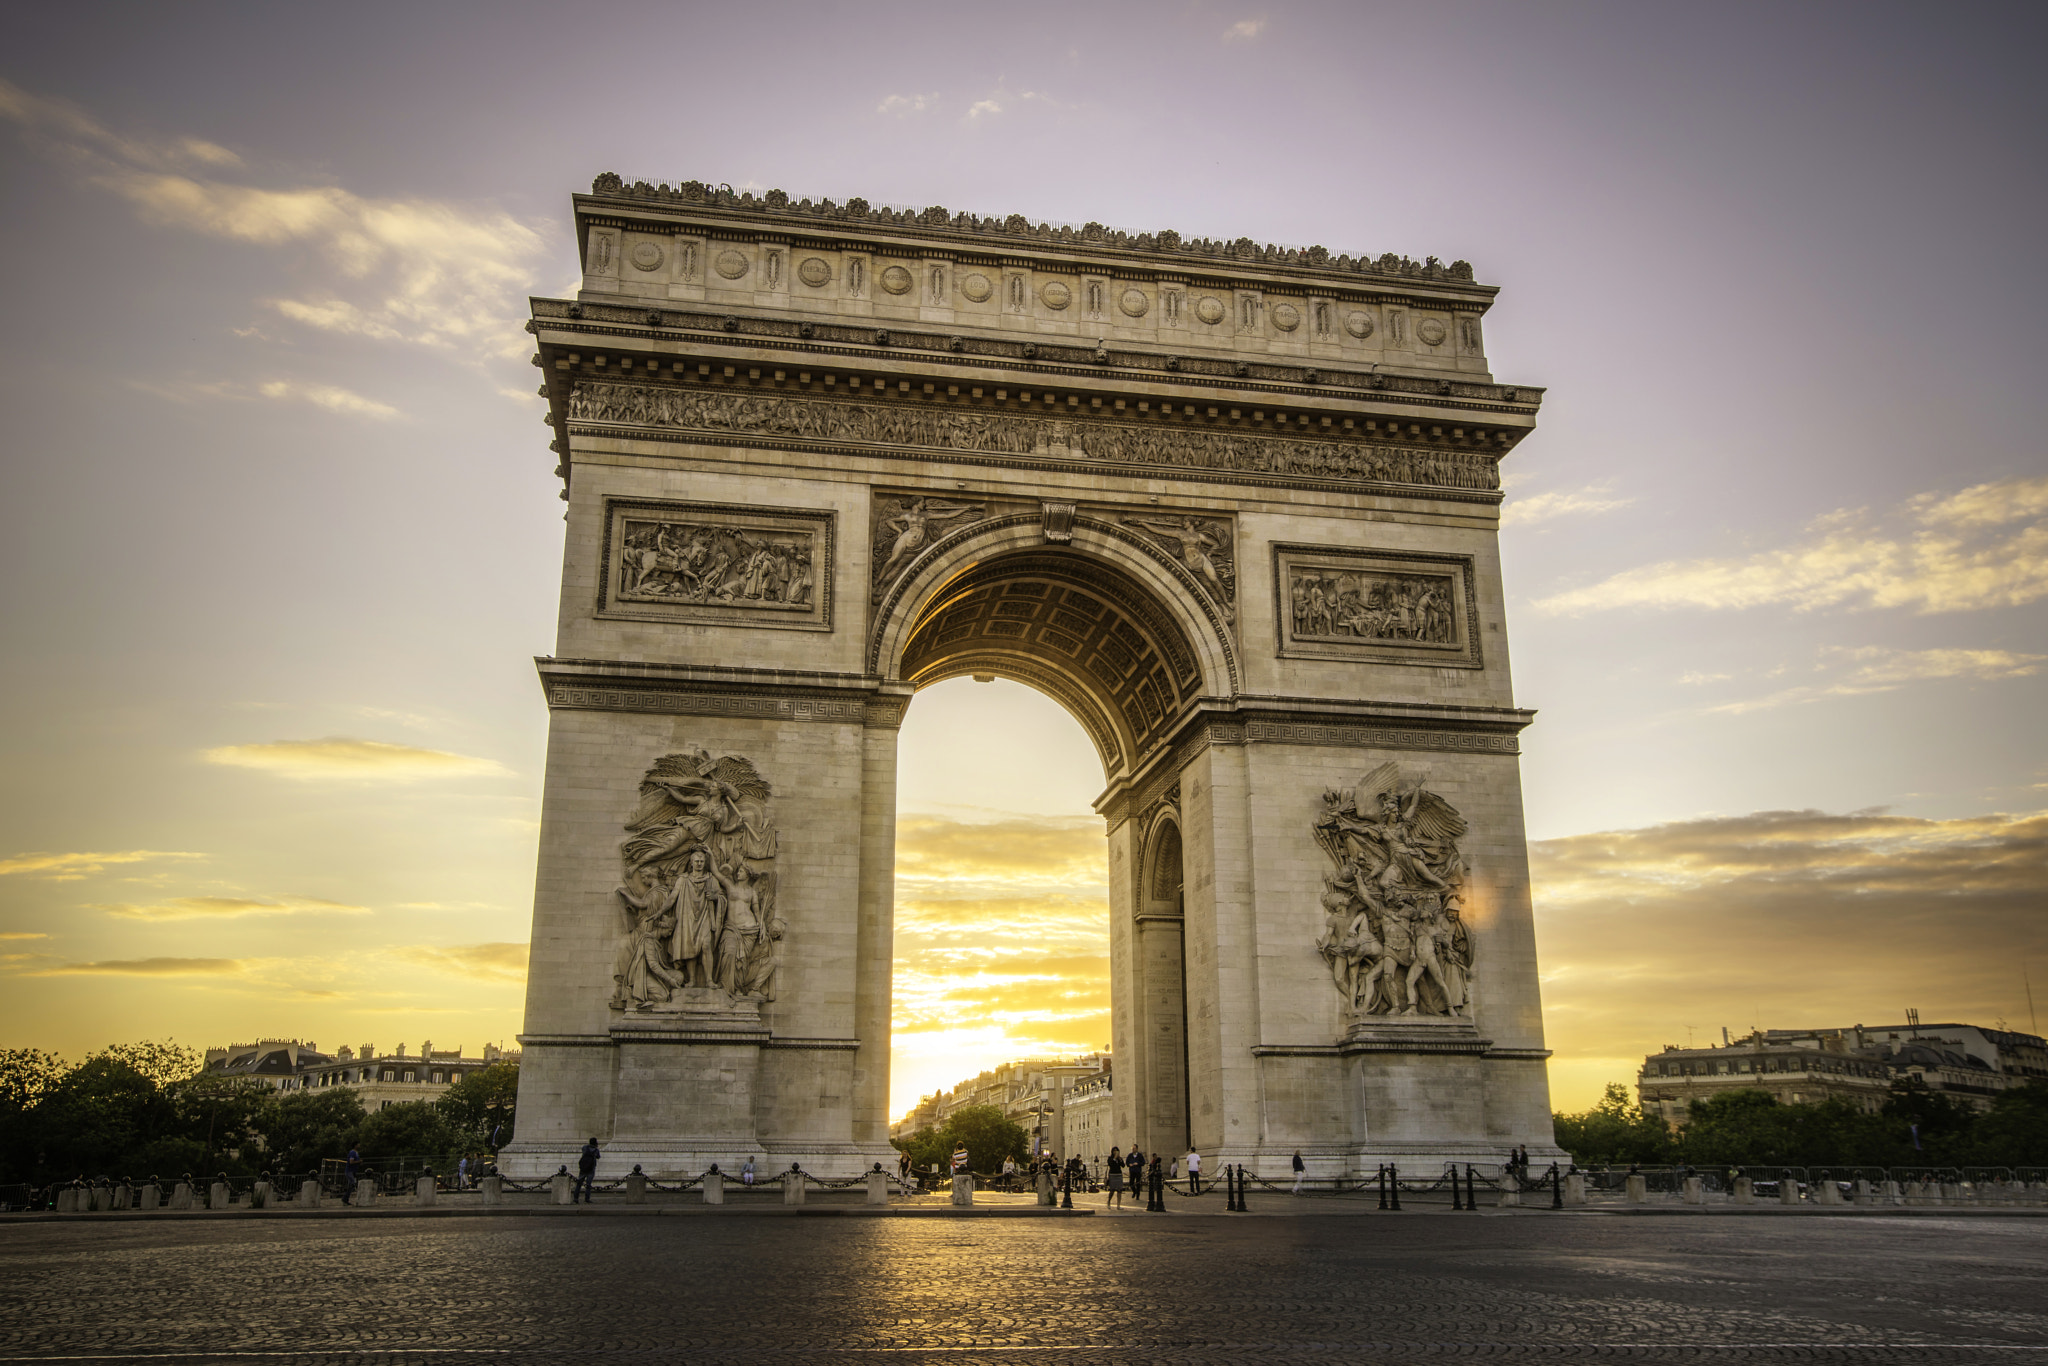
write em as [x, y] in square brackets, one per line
[437, 1076]
[455, 1076]
[412, 1076]
[389, 1076]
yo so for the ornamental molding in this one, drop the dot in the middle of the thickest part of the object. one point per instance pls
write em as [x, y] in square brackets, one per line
[902, 428]
[997, 234]
[1316, 380]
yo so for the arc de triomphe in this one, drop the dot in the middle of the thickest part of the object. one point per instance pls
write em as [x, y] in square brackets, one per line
[1235, 508]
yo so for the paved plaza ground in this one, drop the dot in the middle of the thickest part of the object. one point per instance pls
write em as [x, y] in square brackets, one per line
[825, 1284]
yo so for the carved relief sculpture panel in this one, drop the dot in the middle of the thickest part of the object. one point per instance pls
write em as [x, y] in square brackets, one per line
[1370, 606]
[903, 525]
[1204, 547]
[698, 896]
[706, 562]
[1393, 932]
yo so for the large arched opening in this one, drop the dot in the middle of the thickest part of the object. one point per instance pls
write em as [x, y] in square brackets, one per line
[1108, 633]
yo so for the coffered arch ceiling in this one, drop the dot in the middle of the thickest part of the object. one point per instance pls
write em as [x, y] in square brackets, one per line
[1076, 628]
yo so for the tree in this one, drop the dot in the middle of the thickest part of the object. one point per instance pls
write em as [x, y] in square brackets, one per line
[2014, 1132]
[414, 1128]
[300, 1128]
[480, 1106]
[26, 1076]
[988, 1135]
[1615, 1131]
[220, 1113]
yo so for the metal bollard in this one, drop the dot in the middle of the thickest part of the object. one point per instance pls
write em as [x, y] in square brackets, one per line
[423, 1190]
[1556, 1188]
[152, 1195]
[493, 1188]
[1067, 1188]
[793, 1185]
[1788, 1189]
[259, 1195]
[1157, 1204]
[562, 1187]
[1471, 1191]
[1383, 1185]
[219, 1197]
[1394, 1184]
[878, 1186]
[714, 1186]
[309, 1194]
[636, 1186]
[181, 1195]
[1457, 1196]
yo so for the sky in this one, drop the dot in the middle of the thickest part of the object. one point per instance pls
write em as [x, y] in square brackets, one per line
[280, 537]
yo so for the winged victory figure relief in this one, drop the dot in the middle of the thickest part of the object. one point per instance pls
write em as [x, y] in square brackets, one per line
[699, 890]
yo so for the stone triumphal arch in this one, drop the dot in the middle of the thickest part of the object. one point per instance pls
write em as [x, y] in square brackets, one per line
[1234, 507]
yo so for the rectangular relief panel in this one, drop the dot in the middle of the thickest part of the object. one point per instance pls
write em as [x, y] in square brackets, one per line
[1376, 606]
[717, 563]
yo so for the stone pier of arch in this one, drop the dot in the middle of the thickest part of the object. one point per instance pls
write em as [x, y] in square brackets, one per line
[1237, 512]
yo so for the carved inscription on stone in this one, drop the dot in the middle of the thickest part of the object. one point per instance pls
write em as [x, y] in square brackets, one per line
[1393, 932]
[698, 895]
[1203, 546]
[903, 526]
[709, 562]
[651, 405]
[1378, 606]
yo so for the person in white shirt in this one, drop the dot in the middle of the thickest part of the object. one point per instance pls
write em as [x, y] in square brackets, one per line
[1194, 1172]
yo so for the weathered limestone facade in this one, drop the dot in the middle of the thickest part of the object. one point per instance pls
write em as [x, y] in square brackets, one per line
[1235, 509]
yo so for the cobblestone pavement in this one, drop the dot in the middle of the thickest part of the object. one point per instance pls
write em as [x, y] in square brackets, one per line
[589, 1287]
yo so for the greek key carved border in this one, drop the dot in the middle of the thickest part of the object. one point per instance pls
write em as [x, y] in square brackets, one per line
[1380, 737]
[676, 702]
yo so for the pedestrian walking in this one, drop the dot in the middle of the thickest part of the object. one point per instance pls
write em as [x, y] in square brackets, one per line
[1115, 1197]
[1300, 1171]
[586, 1171]
[1134, 1163]
[352, 1171]
[462, 1174]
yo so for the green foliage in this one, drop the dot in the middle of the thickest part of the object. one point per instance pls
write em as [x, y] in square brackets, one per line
[413, 1128]
[1749, 1128]
[480, 1106]
[1615, 1132]
[983, 1130]
[300, 1128]
[2015, 1131]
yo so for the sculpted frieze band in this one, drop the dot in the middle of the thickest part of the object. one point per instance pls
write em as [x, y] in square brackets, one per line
[649, 405]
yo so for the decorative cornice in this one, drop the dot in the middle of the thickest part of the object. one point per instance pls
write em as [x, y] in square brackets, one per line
[589, 685]
[1102, 361]
[991, 233]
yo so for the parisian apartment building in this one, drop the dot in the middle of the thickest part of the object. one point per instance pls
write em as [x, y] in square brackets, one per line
[378, 1078]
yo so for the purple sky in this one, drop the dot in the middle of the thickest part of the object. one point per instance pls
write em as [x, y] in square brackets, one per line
[275, 469]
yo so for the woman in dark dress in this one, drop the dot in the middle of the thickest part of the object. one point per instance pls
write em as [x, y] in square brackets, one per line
[1116, 1181]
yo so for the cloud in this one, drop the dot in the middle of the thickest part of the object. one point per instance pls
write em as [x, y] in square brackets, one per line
[1878, 670]
[1002, 930]
[1046, 852]
[421, 270]
[981, 107]
[1244, 30]
[147, 967]
[71, 867]
[21, 934]
[1785, 919]
[229, 907]
[1589, 501]
[501, 962]
[1984, 547]
[339, 757]
[328, 396]
[907, 104]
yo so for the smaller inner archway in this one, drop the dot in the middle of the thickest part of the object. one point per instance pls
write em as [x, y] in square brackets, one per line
[1160, 944]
